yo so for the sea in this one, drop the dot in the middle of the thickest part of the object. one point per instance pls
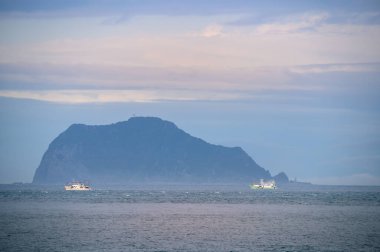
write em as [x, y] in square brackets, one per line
[190, 218]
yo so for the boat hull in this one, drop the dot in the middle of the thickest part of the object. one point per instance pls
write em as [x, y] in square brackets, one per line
[270, 185]
[69, 188]
[77, 186]
[259, 187]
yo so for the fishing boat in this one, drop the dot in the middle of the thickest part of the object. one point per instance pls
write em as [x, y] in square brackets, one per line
[264, 185]
[77, 186]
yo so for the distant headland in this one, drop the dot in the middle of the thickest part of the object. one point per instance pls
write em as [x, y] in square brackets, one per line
[144, 150]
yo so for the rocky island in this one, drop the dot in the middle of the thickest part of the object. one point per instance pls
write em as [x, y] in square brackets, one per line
[142, 150]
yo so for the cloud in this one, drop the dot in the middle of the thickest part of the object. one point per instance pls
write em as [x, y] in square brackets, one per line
[363, 179]
[371, 17]
[236, 59]
[212, 31]
[118, 96]
[70, 8]
[323, 24]
[108, 76]
[115, 20]
[293, 24]
[237, 47]
[349, 68]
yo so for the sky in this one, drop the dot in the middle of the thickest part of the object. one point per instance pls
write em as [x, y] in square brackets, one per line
[294, 83]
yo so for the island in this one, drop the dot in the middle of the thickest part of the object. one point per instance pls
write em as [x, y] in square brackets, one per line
[143, 150]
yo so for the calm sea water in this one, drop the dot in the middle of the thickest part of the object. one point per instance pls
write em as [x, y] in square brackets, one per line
[178, 219]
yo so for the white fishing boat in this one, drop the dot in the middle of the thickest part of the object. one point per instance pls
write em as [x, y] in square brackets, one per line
[77, 186]
[264, 185]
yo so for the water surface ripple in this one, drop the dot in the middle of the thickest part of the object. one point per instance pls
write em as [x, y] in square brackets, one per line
[189, 220]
